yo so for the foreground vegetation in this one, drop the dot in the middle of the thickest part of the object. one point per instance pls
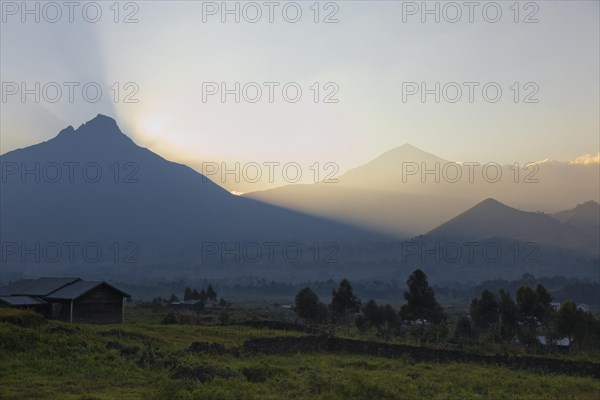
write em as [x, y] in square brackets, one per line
[145, 359]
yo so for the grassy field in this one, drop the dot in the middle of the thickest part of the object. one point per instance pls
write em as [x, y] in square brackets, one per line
[144, 359]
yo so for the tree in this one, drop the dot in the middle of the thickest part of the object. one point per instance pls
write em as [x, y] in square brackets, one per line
[527, 304]
[344, 301]
[173, 298]
[567, 319]
[421, 303]
[485, 311]
[389, 314]
[157, 304]
[571, 322]
[544, 311]
[509, 315]
[210, 292]
[464, 330]
[187, 294]
[373, 313]
[307, 304]
[195, 295]
[202, 296]
[534, 309]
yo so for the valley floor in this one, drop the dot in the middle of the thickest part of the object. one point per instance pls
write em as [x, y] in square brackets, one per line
[148, 360]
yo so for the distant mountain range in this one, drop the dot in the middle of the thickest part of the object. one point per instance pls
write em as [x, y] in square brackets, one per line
[492, 219]
[93, 184]
[407, 191]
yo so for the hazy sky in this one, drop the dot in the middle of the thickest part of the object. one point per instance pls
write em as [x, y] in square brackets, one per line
[370, 54]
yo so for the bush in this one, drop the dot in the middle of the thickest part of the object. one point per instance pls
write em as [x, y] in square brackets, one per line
[170, 318]
[24, 318]
[259, 373]
[189, 318]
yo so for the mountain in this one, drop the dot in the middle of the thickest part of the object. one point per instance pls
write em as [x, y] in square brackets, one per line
[386, 171]
[587, 213]
[407, 191]
[93, 184]
[374, 195]
[492, 219]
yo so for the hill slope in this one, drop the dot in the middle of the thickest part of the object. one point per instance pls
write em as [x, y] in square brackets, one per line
[94, 184]
[490, 219]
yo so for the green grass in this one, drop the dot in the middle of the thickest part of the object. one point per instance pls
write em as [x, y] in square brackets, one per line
[43, 361]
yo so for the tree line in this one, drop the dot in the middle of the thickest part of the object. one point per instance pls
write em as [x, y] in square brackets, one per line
[492, 318]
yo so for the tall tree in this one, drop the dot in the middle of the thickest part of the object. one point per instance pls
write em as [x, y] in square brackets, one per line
[210, 292]
[307, 304]
[544, 310]
[464, 330]
[187, 294]
[509, 315]
[202, 296]
[374, 314]
[420, 300]
[571, 322]
[527, 304]
[485, 311]
[344, 301]
[195, 294]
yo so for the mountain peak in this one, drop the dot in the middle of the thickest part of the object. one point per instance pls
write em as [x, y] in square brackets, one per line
[588, 212]
[101, 124]
[489, 203]
[99, 133]
[491, 218]
[408, 152]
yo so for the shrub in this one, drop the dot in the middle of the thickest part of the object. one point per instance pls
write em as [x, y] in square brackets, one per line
[170, 318]
[259, 373]
[24, 318]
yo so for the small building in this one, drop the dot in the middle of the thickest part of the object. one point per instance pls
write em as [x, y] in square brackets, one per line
[68, 299]
[192, 305]
[559, 343]
[583, 307]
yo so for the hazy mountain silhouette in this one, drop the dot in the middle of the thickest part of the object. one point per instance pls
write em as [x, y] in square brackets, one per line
[140, 197]
[492, 219]
[385, 172]
[374, 196]
[400, 193]
[587, 213]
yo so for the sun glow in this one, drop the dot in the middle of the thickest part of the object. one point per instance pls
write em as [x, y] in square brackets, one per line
[151, 126]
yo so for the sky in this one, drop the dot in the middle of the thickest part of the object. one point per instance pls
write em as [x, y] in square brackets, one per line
[367, 61]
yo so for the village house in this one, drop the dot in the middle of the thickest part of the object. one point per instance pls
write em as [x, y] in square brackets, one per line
[67, 299]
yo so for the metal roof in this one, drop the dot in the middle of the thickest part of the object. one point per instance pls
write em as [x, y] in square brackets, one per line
[21, 300]
[36, 287]
[80, 288]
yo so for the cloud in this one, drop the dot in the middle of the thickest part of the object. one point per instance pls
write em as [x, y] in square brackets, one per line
[586, 159]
